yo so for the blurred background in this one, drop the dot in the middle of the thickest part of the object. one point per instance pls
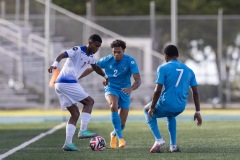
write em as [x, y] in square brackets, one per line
[34, 32]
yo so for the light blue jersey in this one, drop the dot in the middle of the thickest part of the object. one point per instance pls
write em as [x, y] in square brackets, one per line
[119, 72]
[176, 78]
[119, 76]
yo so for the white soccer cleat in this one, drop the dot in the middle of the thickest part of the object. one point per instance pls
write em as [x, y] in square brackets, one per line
[157, 145]
[174, 149]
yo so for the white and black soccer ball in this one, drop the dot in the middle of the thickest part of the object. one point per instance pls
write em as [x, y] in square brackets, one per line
[97, 143]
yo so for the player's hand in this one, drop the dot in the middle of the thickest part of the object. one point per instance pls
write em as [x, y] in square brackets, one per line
[51, 68]
[197, 116]
[105, 82]
[151, 112]
[127, 90]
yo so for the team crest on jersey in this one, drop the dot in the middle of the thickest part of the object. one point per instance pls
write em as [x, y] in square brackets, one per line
[75, 48]
[132, 62]
[110, 66]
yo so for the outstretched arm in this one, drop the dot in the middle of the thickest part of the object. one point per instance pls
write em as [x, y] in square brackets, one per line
[99, 71]
[197, 115]
[86, 72]
[57, 60]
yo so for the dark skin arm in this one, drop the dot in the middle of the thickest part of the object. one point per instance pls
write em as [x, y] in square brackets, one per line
[197, 116]
[86, 72]
[135, 85]
[58, 59]
[97, 69]
[156, 94]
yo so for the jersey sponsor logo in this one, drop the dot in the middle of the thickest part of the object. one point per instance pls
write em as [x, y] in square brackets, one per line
[75, 48]
[132, 62]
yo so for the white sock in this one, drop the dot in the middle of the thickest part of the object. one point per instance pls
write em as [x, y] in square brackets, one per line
[159, 140]
[173, 146]
[85, 119]
[70, 131]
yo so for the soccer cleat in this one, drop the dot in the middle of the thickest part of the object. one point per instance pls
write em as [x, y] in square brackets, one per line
[122, 143]
[157, 145]
[174, 149]
[86, 134]
[113, 141]
[69, 147]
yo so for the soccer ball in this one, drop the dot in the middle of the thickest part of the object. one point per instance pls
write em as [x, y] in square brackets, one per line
[97, 143]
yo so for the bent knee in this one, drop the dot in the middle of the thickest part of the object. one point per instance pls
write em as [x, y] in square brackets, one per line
[113, 108]
[76, 115]
[88, 101]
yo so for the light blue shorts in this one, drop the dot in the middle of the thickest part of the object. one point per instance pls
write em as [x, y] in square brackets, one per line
[123, 98]
[161, 112]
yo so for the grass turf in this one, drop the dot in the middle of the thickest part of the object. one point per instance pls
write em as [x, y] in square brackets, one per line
[213, 140]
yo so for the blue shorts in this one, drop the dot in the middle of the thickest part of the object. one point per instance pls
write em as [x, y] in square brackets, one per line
[161, 112]
[123, 98]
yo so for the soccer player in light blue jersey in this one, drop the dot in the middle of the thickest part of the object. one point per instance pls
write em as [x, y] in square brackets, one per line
[119, 68]
[170, 97]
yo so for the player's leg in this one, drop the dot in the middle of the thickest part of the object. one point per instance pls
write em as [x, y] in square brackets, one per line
[112, 101]
[152, 123]
[172, 130]
[124, 105]
[85, 118]
[71, 128]
[123, 113]
[66, 103]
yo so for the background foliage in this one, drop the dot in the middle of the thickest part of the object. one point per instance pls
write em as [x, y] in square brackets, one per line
[141, 7]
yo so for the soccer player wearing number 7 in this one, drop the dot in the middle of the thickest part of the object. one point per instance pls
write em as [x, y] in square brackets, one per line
[170, 97]
[70, 92]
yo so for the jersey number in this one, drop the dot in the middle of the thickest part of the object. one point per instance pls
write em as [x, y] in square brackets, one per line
[179, 77]
[115, 73]
[83, 64]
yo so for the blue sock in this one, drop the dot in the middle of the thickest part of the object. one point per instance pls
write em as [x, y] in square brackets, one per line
[114, 132]
[152, 123]
[116, 124]
[171, 123]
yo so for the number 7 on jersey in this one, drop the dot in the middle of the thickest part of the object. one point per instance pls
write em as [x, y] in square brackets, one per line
[179, 77]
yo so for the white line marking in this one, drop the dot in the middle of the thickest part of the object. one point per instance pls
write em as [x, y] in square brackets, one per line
[25, 144]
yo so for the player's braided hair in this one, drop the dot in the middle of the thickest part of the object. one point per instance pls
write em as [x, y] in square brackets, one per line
[118, 43]
[171, 51]
[95, 38]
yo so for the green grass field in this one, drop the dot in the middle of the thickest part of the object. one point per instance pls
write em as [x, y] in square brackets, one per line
[213, 140]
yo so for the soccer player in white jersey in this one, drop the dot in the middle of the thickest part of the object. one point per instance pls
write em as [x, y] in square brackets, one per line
[119, 68]
[70, 92]
[170, 97]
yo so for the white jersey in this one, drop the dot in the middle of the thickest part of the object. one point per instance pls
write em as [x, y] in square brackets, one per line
[76, 63]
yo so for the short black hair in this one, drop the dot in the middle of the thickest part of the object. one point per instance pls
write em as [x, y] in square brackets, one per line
[171, 51]
[95, 38]
[118, 43]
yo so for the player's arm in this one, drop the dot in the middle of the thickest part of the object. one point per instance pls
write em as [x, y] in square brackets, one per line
[135, 85]
[156, 94]
[99, 71]
[57, 60]
[86, 72]
[197, 115]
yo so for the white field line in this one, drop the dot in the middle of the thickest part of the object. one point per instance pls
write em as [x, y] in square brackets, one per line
[25, 144]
